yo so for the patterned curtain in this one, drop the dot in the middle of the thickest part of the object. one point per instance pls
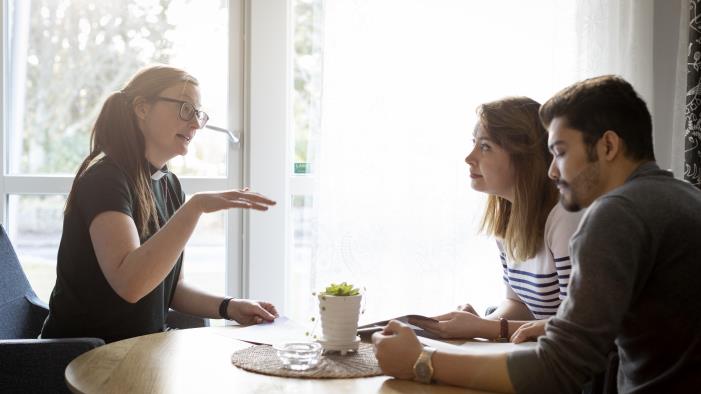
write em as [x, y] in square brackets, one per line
[692, 134]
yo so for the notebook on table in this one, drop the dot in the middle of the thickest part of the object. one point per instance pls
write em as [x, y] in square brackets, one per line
[366, 331]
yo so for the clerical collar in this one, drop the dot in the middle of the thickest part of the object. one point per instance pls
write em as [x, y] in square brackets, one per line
[157, 174]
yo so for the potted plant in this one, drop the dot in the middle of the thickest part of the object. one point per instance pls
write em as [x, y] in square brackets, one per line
[339, 309]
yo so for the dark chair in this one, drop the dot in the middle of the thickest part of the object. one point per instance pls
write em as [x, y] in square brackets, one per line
[28, 364]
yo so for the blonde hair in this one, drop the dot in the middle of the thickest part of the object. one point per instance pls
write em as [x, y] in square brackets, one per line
[116, 134]
[513, 124]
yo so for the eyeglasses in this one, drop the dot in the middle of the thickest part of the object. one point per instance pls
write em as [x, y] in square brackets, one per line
[188, 111]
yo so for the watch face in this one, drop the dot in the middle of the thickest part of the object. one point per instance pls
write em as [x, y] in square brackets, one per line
[422, 371]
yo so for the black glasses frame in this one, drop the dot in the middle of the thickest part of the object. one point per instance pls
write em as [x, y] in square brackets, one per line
[201, 116]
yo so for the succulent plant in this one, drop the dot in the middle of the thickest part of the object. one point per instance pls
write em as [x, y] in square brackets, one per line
[344, 290]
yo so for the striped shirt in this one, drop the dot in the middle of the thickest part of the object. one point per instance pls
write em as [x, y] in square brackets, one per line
[541, 282]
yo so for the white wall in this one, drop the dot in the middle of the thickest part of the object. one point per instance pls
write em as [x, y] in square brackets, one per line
[668, 14]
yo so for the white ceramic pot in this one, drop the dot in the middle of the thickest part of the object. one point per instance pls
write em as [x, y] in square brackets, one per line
[339, 321]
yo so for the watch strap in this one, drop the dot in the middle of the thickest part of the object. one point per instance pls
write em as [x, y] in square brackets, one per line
[224, 308]
[503, 330]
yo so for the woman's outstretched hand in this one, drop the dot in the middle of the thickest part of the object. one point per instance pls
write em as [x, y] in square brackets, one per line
[216, 201]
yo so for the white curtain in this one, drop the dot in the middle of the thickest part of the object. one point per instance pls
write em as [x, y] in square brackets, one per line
[393, 208]
[616, 37]
[645, 41]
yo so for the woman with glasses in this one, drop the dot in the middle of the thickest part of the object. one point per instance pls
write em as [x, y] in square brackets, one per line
[127, 221]
[509, 162]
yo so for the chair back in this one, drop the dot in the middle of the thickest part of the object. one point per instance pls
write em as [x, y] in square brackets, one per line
[19, 317]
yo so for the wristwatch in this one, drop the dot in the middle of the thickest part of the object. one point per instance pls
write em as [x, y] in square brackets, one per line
[423, 368]
[224, 308]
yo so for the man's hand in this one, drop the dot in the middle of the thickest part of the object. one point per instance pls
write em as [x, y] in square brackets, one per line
[529, 331]
[397, 349]
[453, 325]
[251, 312]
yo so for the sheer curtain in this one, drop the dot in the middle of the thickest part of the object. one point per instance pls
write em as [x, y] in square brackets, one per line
[393, 208]
[616, 37]
[645, 41]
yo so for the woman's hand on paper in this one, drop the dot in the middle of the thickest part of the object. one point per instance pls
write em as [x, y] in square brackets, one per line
[396, 349]
[456, 324]
[251, 312]
[529, 331]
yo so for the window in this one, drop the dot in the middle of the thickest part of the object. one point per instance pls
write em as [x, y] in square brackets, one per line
[36, 237]
[355, 115]
[374, 115]
[62, 59]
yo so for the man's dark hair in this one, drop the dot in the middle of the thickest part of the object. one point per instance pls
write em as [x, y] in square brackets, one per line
[596, 105]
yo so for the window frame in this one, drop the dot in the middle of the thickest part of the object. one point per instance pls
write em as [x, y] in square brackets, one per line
[269, 148]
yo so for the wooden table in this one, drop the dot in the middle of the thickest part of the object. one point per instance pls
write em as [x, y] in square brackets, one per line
[198, 361]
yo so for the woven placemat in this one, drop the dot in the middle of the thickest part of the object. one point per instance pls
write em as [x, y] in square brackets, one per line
[263, 359]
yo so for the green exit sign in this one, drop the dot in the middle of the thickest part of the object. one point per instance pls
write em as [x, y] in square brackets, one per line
[302, 168]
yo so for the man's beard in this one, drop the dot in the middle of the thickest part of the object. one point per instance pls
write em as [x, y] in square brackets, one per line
[580, 186]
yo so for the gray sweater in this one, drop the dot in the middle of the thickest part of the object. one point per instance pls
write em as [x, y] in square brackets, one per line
[636, 280]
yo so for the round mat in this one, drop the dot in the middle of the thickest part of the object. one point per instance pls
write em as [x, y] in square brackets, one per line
[263, 359]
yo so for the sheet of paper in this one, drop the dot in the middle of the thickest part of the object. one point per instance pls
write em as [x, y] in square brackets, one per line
[281, 330]
[477, 346]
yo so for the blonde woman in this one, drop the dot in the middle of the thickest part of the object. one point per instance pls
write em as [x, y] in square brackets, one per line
[127, 221]
[509, 161]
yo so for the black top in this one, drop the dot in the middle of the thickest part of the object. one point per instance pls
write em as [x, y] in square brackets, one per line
[83, 304]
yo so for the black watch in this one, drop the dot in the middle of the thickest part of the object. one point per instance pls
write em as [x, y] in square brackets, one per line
[224, 307]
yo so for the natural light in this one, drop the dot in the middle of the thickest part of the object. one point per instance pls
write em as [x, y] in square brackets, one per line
[392, 209]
